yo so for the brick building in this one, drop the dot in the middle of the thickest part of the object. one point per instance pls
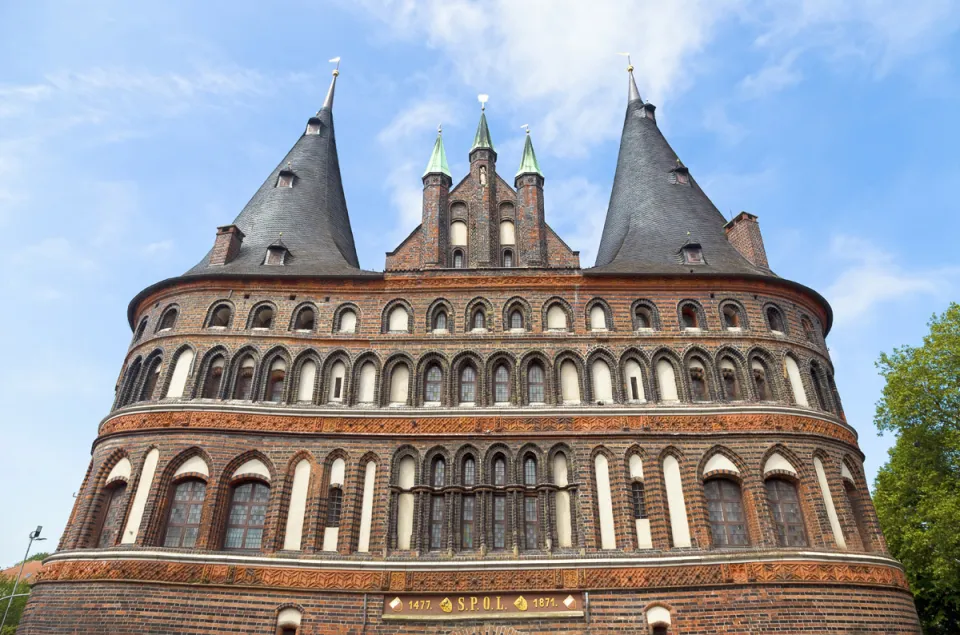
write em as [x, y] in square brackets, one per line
[483, 438]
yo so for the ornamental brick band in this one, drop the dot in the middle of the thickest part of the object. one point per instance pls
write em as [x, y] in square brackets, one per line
[412, 424]
[467, 581]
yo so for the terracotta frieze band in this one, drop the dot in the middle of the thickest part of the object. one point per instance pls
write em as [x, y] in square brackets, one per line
[418, 424]
[284, 578]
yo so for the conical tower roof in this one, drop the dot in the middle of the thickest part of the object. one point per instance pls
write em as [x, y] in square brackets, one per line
[482, 138]
[528, 162]
[438, 158]
[656, 208]
[311, 215]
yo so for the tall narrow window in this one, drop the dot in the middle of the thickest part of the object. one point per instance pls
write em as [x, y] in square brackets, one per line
[808, 331]
[458, 259]
[440, 321]
[856, 506]
[731, 317]
[633, 376]
[469, 471]
[639, 500]
[699, 390]
[183, 523]
[501, 384]
[499, 521]
[263, 318]
[278, 373]
[530, 471]
[468, 385]
[516, 319]
[818, 389]
[334, 506]
[531, 523]
[775, 320]
[433, 384]
[168, 320]
[499, 471]
[439, 473]
[248, 512]
[689, 318]
[725, 509]
[785, 505]
[535, 384]
[337, 374]
[479, 320]
[436, 522]
[306, 320]
[150, 383]
[140, 329]
[112, 515]
[243, 387]
[643, 318]
[211, 384]
[507, 258]
[467, 522]
[221, 316]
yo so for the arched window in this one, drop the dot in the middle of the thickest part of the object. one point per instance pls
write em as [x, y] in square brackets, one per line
[457, 259]
[598, 318]
[725, 509]
[731, 380]
[775, 320]
[633, 382]
[348, 321]
[563, 517]
[499, 504]
[469, 471]
[556, 318]
[785, 505]
[569, 383]
[856, 506]
[308, 380]
[818, 388]
[151, 381]
[516, 320]
[468, 506]
[479, 320]
[699, 387]
[667, 379]
[507, 258]
[140, 330]
[248, 512]
[306, 320]
[530, 471]
[275, 381]
[643, 318]
[211, 383]
[221, 316]
[111, 515]
[183, 521]
[337, 374]
[433, 385]
[263, 318]
[405, 502]
[398, 321]
[732, 320]
[399, 384]
[808, 330]
[437, 504]
[536, 394]
[761, 380]
[602, 382]
[531, 506]
[368, 377]
[168, 320]
[468, 385]
[501, 384]
[440, 321]
[689, 319]
[243, 387]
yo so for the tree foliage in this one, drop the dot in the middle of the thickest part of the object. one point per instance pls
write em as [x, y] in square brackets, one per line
[917, 493]
[16, 608]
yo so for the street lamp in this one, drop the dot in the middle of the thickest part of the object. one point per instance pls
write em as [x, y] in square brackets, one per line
[34, 535]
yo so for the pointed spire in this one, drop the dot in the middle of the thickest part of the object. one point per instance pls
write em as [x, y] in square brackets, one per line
[438, 158]
[632, 93]
[328, 102]
[529, 163]
[482, 138]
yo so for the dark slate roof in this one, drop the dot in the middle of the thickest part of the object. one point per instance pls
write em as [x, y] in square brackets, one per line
[651, 217]
[312, 215]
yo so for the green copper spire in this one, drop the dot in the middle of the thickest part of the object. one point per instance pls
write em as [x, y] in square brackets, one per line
[482, 138]
[529, 164]
[438, 158]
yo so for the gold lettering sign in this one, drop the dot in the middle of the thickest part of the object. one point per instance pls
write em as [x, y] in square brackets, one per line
[480, 606]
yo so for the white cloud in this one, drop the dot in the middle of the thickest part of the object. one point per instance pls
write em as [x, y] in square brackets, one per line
[576, 213]
[772, 78]
[870, 276]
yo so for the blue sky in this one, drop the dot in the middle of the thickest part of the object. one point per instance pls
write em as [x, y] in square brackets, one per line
[129, 132]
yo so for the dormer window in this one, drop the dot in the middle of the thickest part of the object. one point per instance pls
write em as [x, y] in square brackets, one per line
[285, 179]
[693, 254]
[275, 256]
[313, 126]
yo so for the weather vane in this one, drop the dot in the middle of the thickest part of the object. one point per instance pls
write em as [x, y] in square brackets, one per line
[526, 127]
[629, 63]
[483, 99]
[336, 61]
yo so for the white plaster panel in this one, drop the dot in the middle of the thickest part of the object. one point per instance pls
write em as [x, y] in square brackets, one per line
[330, 537]
[796, 382]
[507, 233]
[120, 470]
[828, 502]
[598, 318]
[399, 384]
[194, 464]
[676, 504]
[644, 537]
[719, 462]
[399, 319]
[308, 378]
[602, 384]
[368, 378]
[636, 466]
[147, 473]
[289, 617]
[845, 473]
[556, 318]
[366, 507]
[632, 370]
[569, 383]
[298, 506]
[608, 535]
[253, 466]
[658, 616]
[667, 379]
[776, 461]
[348, 322]
[338, 371]
[458, 234]
[181, 371]
[337, 470]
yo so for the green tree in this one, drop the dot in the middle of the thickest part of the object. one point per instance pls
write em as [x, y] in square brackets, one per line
[16, 608]
[917, 493]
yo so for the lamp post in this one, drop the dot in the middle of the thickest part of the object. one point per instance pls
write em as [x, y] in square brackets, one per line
[34, 535]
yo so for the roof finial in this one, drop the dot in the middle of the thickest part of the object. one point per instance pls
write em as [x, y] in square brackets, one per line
[526, 127]
[328, 102]
[633, 93]
[483, 99]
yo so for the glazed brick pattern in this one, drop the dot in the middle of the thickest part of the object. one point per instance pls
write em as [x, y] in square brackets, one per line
[147, 609]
